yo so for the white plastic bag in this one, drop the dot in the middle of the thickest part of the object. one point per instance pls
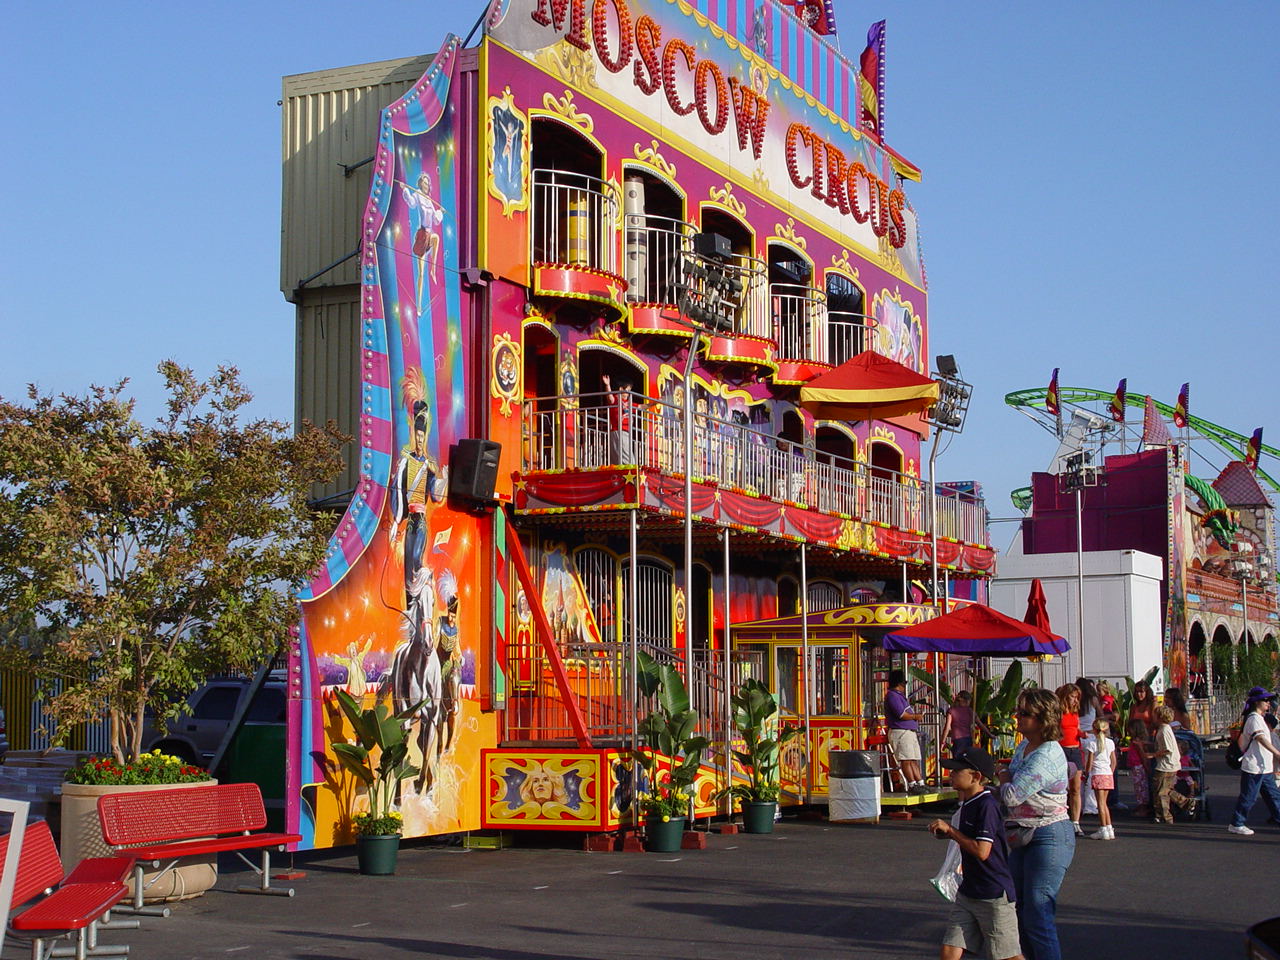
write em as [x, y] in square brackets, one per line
[947, 880]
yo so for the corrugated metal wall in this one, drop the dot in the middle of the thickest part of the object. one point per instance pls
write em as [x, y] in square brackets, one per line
[330, 118]
[326, 369]
[30, 726]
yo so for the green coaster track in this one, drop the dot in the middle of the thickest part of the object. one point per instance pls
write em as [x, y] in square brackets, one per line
[1032, 402]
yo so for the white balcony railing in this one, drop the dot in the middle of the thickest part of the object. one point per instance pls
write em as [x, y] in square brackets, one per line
[846, 336]
[652, 261]
[574, 220]
[799, 322]
[591, 431]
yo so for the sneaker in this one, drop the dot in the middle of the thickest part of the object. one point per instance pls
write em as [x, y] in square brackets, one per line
[1099, 834]
[1076, 826]
[1192, 808]
[1240, 831]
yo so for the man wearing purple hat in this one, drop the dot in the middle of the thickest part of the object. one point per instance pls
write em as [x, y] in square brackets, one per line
[1257, 765]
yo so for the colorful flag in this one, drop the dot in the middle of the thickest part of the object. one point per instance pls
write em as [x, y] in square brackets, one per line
[1117, 402]
[1181, 411]
[1253, 450]
[871, 81]
[1051, 395]
[1155, 433]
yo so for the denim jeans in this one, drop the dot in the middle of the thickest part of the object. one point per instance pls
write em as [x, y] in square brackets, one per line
[1250, 784]
[1038, 869]
[960, 744]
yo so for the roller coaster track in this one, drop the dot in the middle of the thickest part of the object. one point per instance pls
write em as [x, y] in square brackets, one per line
[1229, 442]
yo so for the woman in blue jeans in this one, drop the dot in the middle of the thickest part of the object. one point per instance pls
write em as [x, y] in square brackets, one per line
[1258, 763]
[1042, 841]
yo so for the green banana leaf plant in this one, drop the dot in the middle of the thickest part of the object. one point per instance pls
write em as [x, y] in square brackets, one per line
[754, 716]
[378, 730]
[994, 702]
[668, 731]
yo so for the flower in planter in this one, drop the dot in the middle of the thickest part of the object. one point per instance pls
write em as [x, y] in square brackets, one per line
[154, 768]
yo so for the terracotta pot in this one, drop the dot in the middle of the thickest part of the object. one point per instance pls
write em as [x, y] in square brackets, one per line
[81, 838]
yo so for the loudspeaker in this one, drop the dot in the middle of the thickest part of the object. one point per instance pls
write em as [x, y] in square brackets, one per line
[473, 469]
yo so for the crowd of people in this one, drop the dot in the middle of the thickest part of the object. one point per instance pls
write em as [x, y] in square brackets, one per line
[1017, 825]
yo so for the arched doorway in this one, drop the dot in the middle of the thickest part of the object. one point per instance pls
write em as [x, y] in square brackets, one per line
[1197, 663]
[541, 390]
[1224, 666]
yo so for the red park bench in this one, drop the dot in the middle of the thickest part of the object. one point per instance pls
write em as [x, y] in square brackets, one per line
[74, 905]
[167, 825]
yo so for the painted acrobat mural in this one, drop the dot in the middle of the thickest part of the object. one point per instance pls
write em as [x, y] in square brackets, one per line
[418, 677]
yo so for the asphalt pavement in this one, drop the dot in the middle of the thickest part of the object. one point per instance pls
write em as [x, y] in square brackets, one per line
[809, 890]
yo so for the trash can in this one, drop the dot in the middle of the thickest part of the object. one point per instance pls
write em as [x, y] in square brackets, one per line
[854, 786]
[257, 756]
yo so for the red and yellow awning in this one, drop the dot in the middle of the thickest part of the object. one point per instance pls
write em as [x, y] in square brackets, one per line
[868, 387]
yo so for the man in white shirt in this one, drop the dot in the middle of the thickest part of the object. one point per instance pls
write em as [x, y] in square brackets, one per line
[1257, 766]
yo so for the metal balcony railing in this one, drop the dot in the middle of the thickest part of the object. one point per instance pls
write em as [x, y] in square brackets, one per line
[846, 336]
[799, 322]
[590, 431]
[653, 258]
[733, 290]
[574, 220]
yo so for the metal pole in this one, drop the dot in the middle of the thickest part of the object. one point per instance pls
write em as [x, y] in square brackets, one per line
[688, 509]
[1080, 573]
[906, 595]
[633, 631]
[808, 680]
[1244, 610]
[728, 679]
[933, 520]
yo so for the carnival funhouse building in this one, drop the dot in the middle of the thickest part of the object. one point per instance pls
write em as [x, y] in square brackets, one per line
[564, 287]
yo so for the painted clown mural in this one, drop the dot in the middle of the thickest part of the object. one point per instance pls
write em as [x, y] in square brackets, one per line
[394, 617]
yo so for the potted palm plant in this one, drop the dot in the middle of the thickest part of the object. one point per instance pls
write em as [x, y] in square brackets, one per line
[755, 713]
[378, 828]
[667, 732]
[994, 703]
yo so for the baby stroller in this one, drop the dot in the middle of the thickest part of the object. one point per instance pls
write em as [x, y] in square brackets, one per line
[1195, 768]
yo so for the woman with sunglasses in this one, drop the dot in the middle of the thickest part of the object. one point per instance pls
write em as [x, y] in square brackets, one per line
[1041, 839]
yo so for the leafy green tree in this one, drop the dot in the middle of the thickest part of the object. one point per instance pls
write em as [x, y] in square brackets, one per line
[135, 560]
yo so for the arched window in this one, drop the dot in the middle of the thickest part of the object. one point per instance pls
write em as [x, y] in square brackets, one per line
[598, 571]
[655, 620]
[825, 595]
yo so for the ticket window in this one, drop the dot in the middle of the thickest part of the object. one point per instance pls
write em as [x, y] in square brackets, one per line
[832, 681]
[832, 693]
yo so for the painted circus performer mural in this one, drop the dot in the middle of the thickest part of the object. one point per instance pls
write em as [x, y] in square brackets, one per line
[402, 573]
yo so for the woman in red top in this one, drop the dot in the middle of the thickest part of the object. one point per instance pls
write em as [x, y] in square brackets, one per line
[1069, 698]
[1144, 706]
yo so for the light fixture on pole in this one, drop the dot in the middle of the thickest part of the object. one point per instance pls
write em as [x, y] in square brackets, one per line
[1079, 473]
[947, 416]
[707, 296]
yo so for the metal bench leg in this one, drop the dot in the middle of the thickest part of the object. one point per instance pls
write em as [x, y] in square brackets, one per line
[139, 890]
[107, 923]
[264, 877]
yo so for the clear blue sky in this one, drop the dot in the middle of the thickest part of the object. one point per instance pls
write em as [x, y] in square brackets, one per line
[1099, 193]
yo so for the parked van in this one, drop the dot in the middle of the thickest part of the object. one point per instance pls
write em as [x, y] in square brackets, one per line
[195, 735]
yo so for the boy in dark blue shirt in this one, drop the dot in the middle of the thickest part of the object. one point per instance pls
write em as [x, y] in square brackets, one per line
[983, 920]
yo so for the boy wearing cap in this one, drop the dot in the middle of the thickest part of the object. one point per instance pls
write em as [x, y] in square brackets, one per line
[983, 920]
[1258, 762]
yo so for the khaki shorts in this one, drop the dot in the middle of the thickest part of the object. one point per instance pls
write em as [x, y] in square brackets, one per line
[988, 928]
[905, 744]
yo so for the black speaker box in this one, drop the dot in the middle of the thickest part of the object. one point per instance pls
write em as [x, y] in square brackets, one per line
[473, 469]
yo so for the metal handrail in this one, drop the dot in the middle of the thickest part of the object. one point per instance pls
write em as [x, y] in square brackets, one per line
[846, 336]
[574, 220]
[799, 321]
[655, 250]
[590, 431]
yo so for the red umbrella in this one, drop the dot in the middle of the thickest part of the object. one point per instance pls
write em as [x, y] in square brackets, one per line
[1038, 607]
[868, 387]
[976, 631]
